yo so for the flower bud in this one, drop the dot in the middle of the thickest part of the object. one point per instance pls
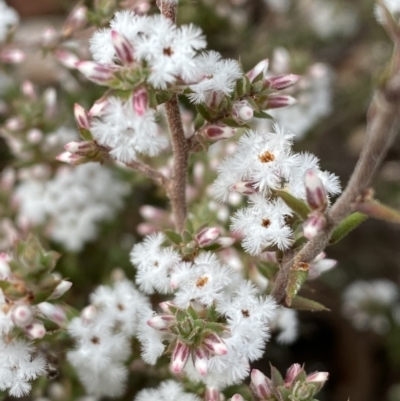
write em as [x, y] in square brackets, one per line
[12, 56]
[277, 101]
[212, 394]
[61, 289]
[317, 377]
[260, 385]
[14, 124]
[217, 132]
[66, 58]
[315, 191]
[50, 101]
[81, 117]
[215, 344]
[80, 148]
[207, 236]
[53, 312]
[291, 374]
[98, 107]
[29, 90]
[140, 101]
[245, 188]
[281, 82]
[22, 315]
[225, 242]
[76, 20]
[237, 397]
[242, 111]
[49, 38]
[98, 73]
[314, 225]
[149, 212]
[168, 307]
[34, 136]
[35, 330]
[88, 314]
[179, 356]
[70, 158]
[261, 67]
[123, 47]
[161, 322]
[200, 358]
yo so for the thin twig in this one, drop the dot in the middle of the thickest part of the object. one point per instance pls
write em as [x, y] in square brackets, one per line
[150, 172]
[382, 128]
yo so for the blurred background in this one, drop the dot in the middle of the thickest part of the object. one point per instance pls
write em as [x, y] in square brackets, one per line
[341, 50]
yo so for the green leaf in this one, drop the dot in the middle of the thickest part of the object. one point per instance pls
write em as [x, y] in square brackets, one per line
[297, 205]
[253, 104]
[186, 237]
[297, 276]
[86, 135]
[230, 122]
[301, 303]
[204, 112]
[346, 226]
[189, 226]
[268, 269]
[379, 211]
[262, 114]
[276, 377]
[240, 87]
[173, 236]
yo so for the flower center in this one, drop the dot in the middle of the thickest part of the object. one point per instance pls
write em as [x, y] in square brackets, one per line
[266, 157]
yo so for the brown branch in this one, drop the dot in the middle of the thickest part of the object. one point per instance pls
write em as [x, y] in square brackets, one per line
[150, 172]
[382, 128]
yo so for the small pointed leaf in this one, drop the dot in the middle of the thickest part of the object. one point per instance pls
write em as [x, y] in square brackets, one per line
[301, 303]
[173, 236]
[379, 211]
[346, 225]
[297, 205]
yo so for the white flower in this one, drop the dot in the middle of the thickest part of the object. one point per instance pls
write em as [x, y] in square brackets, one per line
[154, 264]
[126, 132]
[215, 75]
[167, 391]
[8, 17]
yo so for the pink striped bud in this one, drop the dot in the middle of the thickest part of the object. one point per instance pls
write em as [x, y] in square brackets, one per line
[261, 67]
[207, 236]
[217, 132]
[123, 47]
[22, 315]
[140, 101]
[53, 312]
[161, 322]
[88, 314]
[179, 356]
[29, 90]
[245, 187]
[35, 330]
[282, 81]
[212, 394]
[96, 72]
[291, 374]
[200, 358]
[77, 147]
[315, 191]
[12, 56]
[61, 289]
[81, 117]
[260, 385]
[237, 397]
[215, 344]
[70, 158]
[168, 307]
[242, 111]
[66, 58]
[314, 225]
[277, 101]
[317, 377]
[98, 107]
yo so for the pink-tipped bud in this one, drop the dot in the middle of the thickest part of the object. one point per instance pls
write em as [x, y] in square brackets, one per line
[261, 385]
[237, 397]
[61, 289]
[282, 81]
[179, 356]
[98, 73]
[278, 101]
[12, 56]
[50, 101]
[76, 20]
[291, 374]
[317, 377]
[34, 136]
[225, 242]
[79, 148]
[28, 90]
[315, 223]
[215, 344]
[66, 58]
[261, 67]
[53, 312]
[49, 37]
[140, 101]
[315, 191]
[22, 315]
[212, 394]
[144, 229]
[123, 47]
[98, 107]
[200, 358]
[217, 132]
[207, 236]
[88, 314]
[161, 322]
[152, 213]
[35, 330]
[242, 111]
[70, 158]
[245, 188]
[81, 116]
